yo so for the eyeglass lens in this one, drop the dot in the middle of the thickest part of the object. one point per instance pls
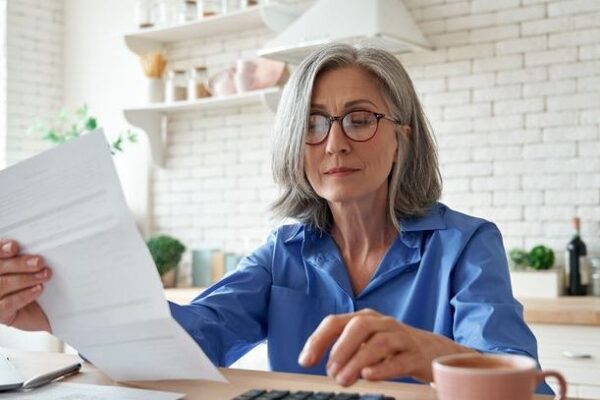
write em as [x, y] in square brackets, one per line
[356, 125]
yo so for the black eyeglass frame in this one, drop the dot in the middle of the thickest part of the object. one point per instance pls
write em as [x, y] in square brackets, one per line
[333, 118]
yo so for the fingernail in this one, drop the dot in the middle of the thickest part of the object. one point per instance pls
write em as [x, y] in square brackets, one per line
[305, 358]
[41, 274]
[36, 288]
[333, 369]
[33, 261]
[342, 379]
[7, 247]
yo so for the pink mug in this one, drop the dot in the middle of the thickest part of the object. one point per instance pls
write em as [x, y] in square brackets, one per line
[491, 377]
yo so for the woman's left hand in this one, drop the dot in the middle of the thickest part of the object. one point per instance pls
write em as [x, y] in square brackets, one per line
[373, 346]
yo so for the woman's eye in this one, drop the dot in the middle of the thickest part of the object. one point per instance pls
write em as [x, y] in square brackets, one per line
[315, 124]
[359, 121]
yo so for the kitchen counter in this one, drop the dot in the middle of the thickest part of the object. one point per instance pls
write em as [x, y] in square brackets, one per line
[584, 310]
[563, 310]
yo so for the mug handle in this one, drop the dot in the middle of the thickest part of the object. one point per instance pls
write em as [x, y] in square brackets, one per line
[542, 375]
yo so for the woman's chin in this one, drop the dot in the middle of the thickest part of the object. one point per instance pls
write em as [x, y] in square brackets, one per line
[344, 196]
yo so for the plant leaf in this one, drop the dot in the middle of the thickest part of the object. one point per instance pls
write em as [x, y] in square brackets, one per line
[91, 124]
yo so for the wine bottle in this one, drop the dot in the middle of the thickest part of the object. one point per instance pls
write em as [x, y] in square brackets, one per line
[576, 252]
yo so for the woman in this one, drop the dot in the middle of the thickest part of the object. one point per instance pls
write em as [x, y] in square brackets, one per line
[378, 278]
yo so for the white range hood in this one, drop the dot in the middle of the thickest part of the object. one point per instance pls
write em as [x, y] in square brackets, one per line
[385, 24]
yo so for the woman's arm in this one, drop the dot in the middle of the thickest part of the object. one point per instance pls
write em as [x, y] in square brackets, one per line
[486, 315]
[230, 318]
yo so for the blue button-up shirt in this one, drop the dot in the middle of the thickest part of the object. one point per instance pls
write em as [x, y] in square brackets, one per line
[445, 273]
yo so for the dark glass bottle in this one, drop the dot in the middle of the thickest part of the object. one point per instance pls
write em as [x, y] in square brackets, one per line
[576, 250]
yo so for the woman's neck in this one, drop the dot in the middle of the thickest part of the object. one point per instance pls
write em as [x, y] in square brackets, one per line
[363, 232]
[360, 227]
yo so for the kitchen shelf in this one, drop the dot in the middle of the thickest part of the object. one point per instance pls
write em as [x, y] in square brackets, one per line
[275, 16]
[152, 118]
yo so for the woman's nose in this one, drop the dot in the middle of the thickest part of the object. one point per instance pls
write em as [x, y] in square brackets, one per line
[337, 142]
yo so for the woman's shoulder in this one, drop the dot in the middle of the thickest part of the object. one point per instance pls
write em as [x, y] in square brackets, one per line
[289, 233]
[459, 220]
[449, 221]
[281, 238]
[455, 229]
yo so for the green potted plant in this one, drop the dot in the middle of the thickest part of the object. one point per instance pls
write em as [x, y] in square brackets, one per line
[70, 124]
[532, 273]
[166, 252]
[540, 258]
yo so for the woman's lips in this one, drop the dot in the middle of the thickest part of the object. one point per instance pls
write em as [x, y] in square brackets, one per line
[340, 171]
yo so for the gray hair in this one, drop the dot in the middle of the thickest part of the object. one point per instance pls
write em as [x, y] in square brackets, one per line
[415, 183]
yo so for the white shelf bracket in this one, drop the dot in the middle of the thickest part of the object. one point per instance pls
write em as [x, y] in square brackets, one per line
[155, 126]
[140, 45]
[271, 100]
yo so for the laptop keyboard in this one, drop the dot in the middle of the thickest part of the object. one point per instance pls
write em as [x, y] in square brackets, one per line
[257, 394]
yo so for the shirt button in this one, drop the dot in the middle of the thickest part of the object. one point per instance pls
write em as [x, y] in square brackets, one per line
[320, 259]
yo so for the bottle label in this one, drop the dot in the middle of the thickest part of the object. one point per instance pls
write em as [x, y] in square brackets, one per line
[584, 270]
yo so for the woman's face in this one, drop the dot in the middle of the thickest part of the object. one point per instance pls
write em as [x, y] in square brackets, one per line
[339, 169]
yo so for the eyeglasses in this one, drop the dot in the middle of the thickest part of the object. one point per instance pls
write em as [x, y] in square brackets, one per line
[358, 126]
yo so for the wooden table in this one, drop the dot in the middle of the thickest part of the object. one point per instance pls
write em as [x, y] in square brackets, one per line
[32, 363]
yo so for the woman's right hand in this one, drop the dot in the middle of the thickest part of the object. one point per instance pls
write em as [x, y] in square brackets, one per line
[22, 279]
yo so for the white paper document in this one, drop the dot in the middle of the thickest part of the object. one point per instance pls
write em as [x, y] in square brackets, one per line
[105, 297]
[79, 391]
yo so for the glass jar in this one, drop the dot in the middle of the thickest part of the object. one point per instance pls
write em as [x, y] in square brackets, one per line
[163, 13]
[230, 6]
[143, 14]
[191, 10]
[210, 8]
[176, 86]
[183, 11]
[196, 88]
[179, 11]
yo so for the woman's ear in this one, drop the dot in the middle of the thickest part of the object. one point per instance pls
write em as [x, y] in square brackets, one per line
[406, 131]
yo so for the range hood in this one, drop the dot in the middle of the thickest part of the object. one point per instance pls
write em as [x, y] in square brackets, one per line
[384, 24]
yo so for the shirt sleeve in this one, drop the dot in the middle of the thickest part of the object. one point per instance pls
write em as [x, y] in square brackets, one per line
[230, 318]
[487, 317]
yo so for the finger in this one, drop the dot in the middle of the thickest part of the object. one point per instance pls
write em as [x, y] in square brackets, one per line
[320, 340]
[379, 347]
[10, 305]
[394, 366]
[8, 248]
[325, 334]
[22, 264]
[358, 330]
[16, 282]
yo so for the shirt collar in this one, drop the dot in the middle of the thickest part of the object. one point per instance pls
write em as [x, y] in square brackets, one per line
[292, 232]
[320, 250]
[432, 220]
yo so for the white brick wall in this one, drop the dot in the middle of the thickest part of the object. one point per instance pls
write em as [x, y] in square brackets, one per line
[512, 91]
[34, 71]
[531, 127]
